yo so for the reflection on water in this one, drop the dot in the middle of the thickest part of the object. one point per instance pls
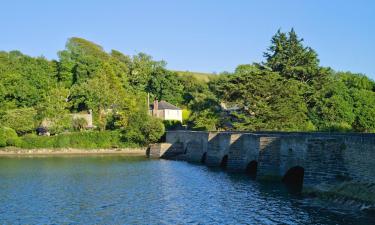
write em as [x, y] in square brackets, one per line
[134, 190]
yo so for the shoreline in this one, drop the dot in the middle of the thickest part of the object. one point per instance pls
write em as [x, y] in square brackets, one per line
[71, 151]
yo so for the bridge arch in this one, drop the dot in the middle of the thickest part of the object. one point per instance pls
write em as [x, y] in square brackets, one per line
[194, 151]
[251, 168]
[224, 162]
[204, 157]
[293, 179]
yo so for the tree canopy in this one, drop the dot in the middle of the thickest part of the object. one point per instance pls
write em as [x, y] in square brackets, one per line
[288, 91]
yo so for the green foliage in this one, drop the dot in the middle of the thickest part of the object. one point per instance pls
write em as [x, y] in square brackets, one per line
[93, 139]
[364, 110]
[205, 120]
[52, 110]
[23, 79]
[22, 120]
[79, 124]
[357, 81]
[264, 100]
[8, 137]
[201, 77]
[291, 59]
[289, 91]
[141, 69]
[143, 129]
[165, 85]
[332, 107]
[185, 115]
[172, 124]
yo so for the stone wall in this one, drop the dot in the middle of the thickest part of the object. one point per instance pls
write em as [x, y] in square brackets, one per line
[327, 159]
[86, 116]
[243, 150]
[165, 150]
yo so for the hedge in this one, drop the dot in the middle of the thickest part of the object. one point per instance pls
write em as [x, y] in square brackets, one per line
[91, 139]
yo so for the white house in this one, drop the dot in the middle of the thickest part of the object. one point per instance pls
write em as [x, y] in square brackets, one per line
[166, 111]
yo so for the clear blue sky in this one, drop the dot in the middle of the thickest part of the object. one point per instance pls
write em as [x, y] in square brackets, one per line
[195, 35]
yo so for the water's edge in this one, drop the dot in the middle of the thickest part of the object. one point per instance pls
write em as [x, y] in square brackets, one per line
[11, 151]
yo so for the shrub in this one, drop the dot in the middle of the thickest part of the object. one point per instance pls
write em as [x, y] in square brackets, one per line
[337, 127]
[91, 139]
[21, 120]
[8, 137]
[143, 130]
[172, 124]
[185, 115]
[79, 124]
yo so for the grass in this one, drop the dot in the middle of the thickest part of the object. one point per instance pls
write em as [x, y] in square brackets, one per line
[205, 77]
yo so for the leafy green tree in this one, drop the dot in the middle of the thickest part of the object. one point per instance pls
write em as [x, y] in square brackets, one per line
[22, 120]
[357, 81]
[100, 93]
[24, 80]
[205, 112]
[364, 109]
[53, 110]
[137, 125]
[264, 99]
[142, 67]
[8, 137]
[332, 107]
[165, 85]
[80, 61]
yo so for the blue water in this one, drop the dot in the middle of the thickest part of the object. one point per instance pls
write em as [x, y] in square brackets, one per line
[134, 190]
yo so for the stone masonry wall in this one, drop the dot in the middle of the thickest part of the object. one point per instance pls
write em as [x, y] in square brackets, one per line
[327, 159]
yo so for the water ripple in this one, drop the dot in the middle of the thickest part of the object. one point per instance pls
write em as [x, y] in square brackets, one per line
[133, 190]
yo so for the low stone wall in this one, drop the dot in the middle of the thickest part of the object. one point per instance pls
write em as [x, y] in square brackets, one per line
[165, 150]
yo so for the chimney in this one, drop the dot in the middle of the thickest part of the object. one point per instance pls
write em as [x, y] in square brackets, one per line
[155, 108]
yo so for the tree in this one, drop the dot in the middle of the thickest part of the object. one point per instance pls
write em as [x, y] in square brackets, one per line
[80, 61]
[165, 85]
[53, 110]
[264, 100]
[364, 110]
[332, 107]
[100, 93]
[22, 120]
[288, 56]
[141, 69]
[8, 137]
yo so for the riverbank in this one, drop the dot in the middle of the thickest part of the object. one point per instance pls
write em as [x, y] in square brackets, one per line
[13, 151]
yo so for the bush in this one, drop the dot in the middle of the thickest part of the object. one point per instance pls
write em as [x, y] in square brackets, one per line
[172, 124]
[92, 139]
[8, 137]
[21, 120]
[337, 127]
[185, 115]
[79, 124]
[143, 130]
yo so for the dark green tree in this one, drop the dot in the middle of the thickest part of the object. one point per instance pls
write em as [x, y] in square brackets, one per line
[288, 56]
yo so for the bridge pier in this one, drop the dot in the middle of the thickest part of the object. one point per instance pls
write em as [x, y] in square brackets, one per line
[314, 159]
[217, 148]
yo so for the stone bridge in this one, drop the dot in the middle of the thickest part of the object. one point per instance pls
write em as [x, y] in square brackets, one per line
[308, 159]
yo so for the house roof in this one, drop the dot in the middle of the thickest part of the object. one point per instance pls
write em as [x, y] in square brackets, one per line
[166, 105]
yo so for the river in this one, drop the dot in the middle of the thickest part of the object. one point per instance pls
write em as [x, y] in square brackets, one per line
[135, 190]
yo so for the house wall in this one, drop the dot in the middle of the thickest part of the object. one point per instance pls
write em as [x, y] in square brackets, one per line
[159, 113]
[171, 114]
